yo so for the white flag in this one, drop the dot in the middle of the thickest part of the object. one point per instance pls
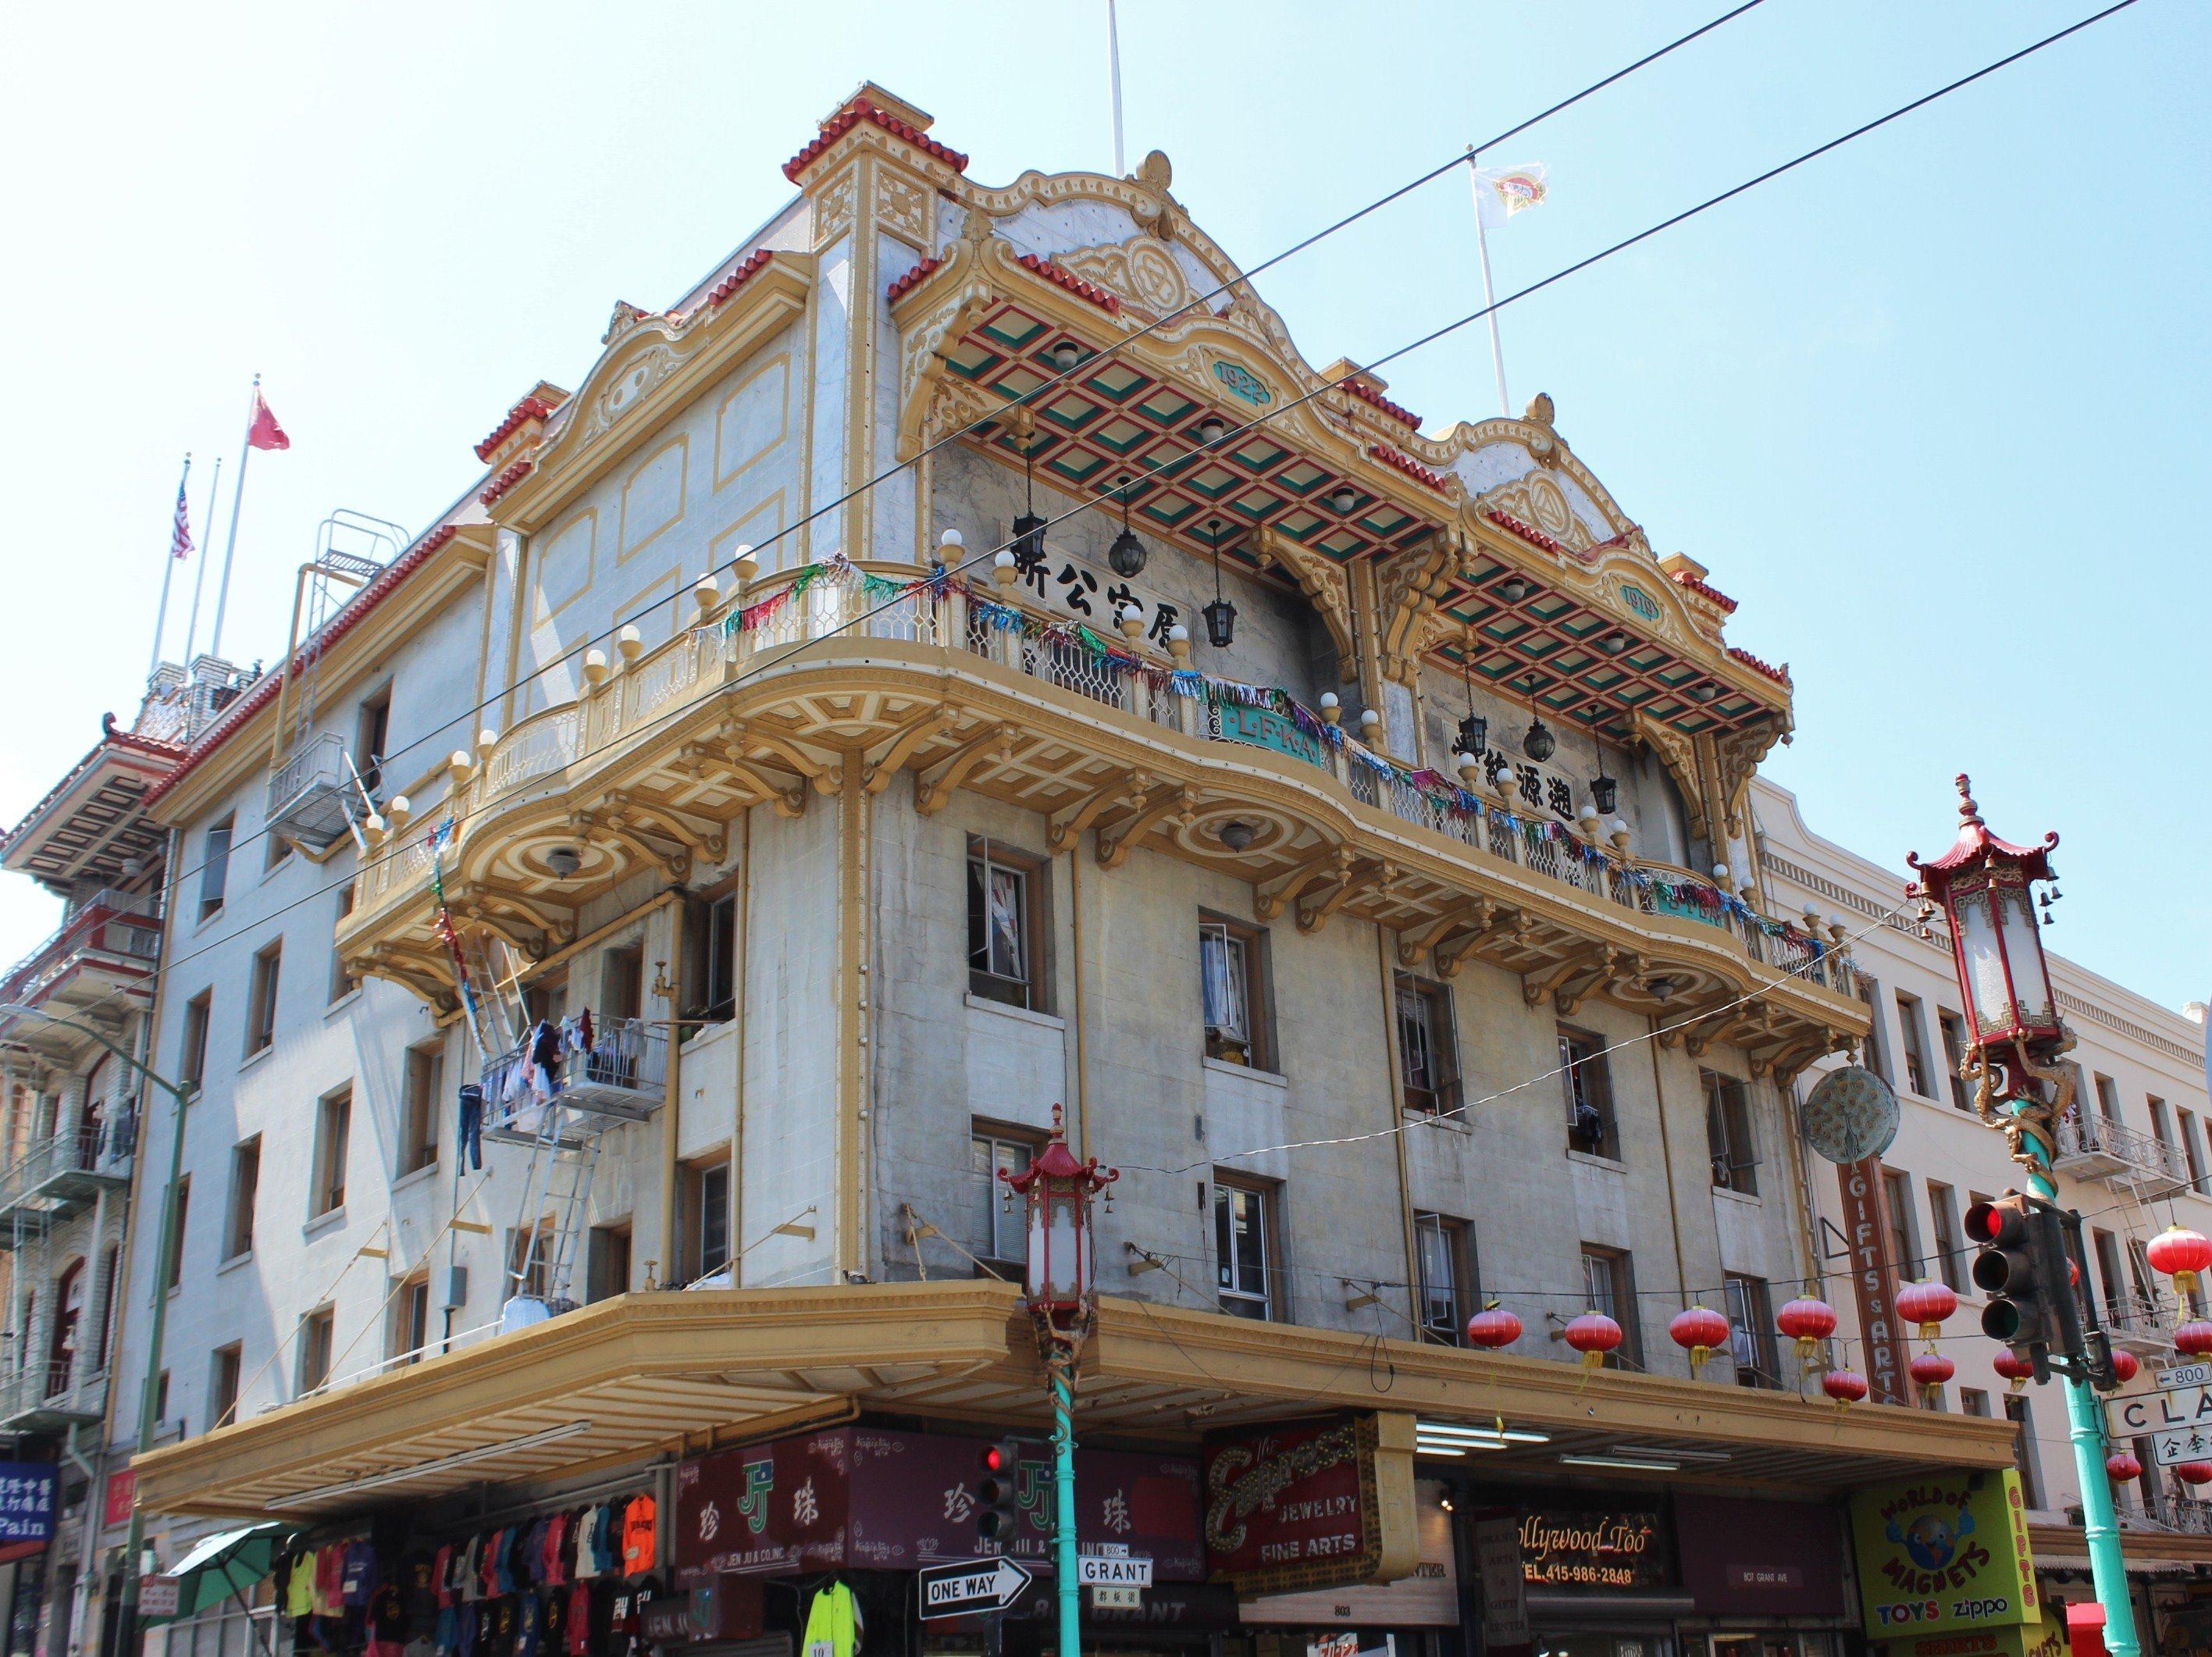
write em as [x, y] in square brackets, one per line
[1502, 192]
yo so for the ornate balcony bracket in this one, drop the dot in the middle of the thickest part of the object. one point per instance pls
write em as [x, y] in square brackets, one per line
[1413, 945]
[1270, 897]
[1451, 956]
[907, 742]
[1619, 967]
[933, 788]
[1068, 824]
[1314, 913]
[1116, 839]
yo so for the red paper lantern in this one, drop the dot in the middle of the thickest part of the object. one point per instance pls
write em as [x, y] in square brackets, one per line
[1807, 1321]
[1927, 1304]
[1494, 1327]
[2123, 1466]
[1594, 1335]
[2014, 1367]
[1698, 1331]
[2124, 1367]
[1932, 1369]
[2194, 1338]
[2194, 1473]
[2181, 1254]
[1846, 1386]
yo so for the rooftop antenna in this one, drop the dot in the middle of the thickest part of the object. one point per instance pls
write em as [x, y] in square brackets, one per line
[1113, 81]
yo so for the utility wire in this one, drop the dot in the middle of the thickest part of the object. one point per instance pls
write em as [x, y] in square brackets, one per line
[1089, 365]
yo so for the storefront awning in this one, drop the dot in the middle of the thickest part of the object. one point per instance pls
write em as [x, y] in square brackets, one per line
[647, 1372]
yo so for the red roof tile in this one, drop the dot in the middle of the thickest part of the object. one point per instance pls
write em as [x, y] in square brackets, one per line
[1407, 464]
[1710, 594]
[754, 265]
[1367, 394]
[506, 480]
[1528, 533]
[1110, 303]
[912, 279]
[530, 408]
[850, 117]
[1779, 675]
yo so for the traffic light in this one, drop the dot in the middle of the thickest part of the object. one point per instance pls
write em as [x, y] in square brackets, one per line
[2024, 1267]
[997, 1509]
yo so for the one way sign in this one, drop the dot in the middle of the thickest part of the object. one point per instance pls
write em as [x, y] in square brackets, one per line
[971, 1586]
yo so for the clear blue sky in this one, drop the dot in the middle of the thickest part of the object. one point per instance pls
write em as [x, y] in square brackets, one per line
[1932, 408]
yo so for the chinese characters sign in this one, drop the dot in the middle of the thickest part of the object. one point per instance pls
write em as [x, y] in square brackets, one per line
[1944, 1553]
[26, 1501]
[1076, 591]
[1591, 1550]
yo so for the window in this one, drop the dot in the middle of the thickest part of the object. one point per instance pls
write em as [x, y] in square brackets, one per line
[1913, 1039]
[342, 983]
[261, 1000]
[1751, 1332]
[1447, 1281]
[175, 1274]
[2108, 1099]
[214, 865]
[161, 1404]
[719, 960]
[2161, 1126]
[318, 1332]
[333, 1130]
[372, 730]
[1004, 933]
[530, 1257]
[1943, 1213]
[1729, 1138]
[111, 1265]
[1877, 1050]
[1244, 1247]
[1904, 1238]
[622, 981]
[1232, 966]
[222, 1385]
[1954, 1032]
[418, 1110]
[191, 1051]
[1973, 1401]
[1586, 1082]
[2192, 1149]
[998, 1223]
[410, 1320]
[1428, 1052]
[245, 1185]
[1609, 1286]
[710, 1218]
[2023, 1448]
[606, 1273]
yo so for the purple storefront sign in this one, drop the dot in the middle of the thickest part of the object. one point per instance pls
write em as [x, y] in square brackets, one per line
[862, 1498]
[1749, 1558]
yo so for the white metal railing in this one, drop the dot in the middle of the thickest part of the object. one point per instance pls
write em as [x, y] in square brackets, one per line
[115, 923]
[2088, 1133]
[621, 700]
[628, 1054]
[62, 1386]
[103, 1149]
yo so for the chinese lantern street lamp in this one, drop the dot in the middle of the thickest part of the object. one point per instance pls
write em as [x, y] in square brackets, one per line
[2014, 1041]
[1057, 1190]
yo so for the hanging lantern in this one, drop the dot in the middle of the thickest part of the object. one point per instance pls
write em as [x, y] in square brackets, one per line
[1494, 1327]
[1539, 743]
[2125, 1368]
[1846, 1386]
[1931, 1370]
[1127, 554]
[1220, 615]
[1927, 1304]
[1474, 736]
[2194, 1473]
[2181, 1254]
[1058, 1191]
[1808, 1322]
[2014, 1031]
[2016, 1369]
[1605, 792]
[2194, 1338]
[1594, 1335]
[1698, 1331]
[2122, 1466]
[1029, 529]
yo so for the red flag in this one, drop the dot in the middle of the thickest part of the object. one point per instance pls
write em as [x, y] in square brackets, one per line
[180, 532]
[265, 432]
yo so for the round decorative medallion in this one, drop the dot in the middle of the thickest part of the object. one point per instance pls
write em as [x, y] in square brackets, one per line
[1850, 1115]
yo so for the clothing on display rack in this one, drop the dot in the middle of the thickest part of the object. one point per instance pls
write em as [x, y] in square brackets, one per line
[833, 1624]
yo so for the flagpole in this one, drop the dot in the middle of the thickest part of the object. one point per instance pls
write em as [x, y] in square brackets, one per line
[237, 498]
[1489, 293]
[199, 572]
[168, 570]
[1113, 79]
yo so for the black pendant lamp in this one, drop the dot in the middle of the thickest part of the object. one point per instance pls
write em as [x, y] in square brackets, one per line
[1029, 529]
[1127, 554]
[1220, 615]
[1474, 729]
[1605, 792]
[1539, 744]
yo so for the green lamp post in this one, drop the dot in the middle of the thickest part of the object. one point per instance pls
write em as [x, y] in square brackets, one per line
[134, 1545]
[2015, 1038]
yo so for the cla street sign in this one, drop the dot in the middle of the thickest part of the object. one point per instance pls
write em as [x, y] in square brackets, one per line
[2168, 1410]
[969, 1586]
[1100, 1570]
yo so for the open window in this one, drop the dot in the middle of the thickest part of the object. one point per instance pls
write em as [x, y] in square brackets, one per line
[1428, 1052]
[1233, 975]
[1586, 1089]
[1005, 925]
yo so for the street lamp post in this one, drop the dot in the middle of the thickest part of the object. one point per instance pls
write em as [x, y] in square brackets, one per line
[1058, 1191]
[149, 1421]
[2015, 1038]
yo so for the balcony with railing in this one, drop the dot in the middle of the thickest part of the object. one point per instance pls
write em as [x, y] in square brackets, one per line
[50, 1397]
[619, 1074]
[973, 654]
[67, 1171]
[2142, 1323]
[2092, 1146]
[314, 797]
[107, 947]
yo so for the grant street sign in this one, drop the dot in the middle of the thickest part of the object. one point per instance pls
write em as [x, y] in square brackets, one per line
[971, 1585]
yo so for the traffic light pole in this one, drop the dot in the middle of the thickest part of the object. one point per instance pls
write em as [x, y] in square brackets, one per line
[2085, 1416]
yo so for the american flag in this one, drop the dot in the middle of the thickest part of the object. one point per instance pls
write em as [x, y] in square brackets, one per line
[180, 534]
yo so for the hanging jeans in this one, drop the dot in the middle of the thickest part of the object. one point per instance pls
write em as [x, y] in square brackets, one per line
[470, 1143]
